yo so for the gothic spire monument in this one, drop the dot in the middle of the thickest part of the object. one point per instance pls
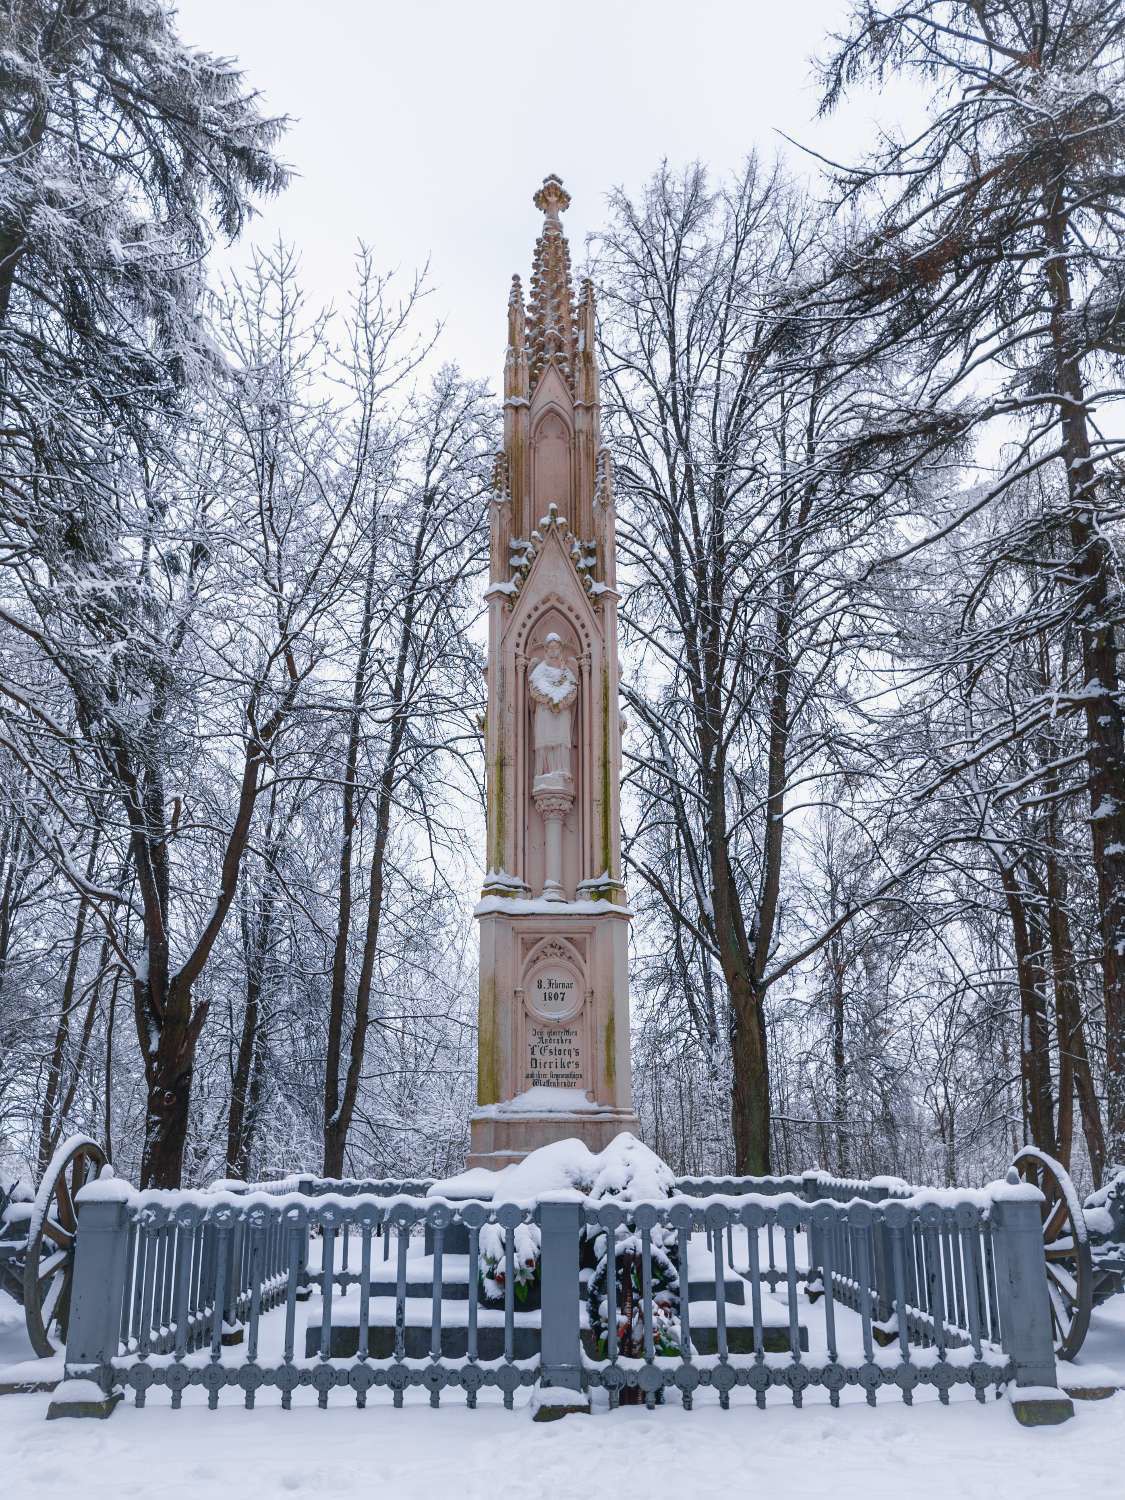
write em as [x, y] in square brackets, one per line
[553, 1050]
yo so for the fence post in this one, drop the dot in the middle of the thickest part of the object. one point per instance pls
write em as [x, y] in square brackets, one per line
[232, 1329]
[1025, 1312]
[814, 1237]
[561, 1377]
[882, 1272]
[304, 1285]
[101, 1248]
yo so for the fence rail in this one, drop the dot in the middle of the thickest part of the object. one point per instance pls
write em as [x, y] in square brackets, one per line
[782, 1285]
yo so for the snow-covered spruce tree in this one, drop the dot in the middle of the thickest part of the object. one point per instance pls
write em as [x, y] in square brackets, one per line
[994, 269]
[122, 148]
[989, 702]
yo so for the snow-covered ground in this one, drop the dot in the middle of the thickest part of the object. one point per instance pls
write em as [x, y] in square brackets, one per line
[955, 1453]
[927, 1451]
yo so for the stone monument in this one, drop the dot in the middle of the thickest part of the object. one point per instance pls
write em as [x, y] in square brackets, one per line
[553, 1051]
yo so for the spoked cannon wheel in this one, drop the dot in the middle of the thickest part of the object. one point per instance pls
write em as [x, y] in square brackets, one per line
[1070, 1269]
[52, 1229]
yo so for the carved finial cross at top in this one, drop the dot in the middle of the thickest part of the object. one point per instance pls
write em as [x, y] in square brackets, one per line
[552, 198]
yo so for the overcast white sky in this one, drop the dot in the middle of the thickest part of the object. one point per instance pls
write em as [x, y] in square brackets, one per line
[424, 126]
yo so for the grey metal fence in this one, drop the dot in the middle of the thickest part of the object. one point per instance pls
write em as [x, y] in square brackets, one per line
[773, 1285]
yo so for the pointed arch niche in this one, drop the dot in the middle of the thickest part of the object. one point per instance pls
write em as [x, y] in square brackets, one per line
[551, 464]
[569, 617]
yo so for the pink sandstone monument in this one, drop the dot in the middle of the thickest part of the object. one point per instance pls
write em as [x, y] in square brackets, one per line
[553, 1051]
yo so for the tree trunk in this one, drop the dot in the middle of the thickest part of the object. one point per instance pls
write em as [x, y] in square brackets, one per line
[257, 928]
[1105, 727]
[111, 1016]
[169, 1071]
[839, 1059]
[1073, 1051]
[338, 1119]
[750, 1094]
[1035, 1037]
[334, 1142]
[242, 1082]
[336, 1128]
[47, 1122]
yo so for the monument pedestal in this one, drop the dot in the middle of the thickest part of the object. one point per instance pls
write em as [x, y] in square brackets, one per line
[553, 1048]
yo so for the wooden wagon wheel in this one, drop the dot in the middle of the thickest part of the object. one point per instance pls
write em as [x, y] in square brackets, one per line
[1070, 1270]
[52, 1229]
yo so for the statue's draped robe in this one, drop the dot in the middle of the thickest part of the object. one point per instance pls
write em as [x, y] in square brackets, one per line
[554, 691]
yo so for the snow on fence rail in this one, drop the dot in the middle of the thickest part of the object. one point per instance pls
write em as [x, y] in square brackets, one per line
[778, 1285]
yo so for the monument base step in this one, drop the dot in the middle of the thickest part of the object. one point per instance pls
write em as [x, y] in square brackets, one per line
[418, 1340]
[455, 1280]
[417, 1331]
[499, 1138]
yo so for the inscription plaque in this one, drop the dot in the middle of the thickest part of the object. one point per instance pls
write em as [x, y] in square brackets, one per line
[554, 994]
[555, 1057]
[555, 1031]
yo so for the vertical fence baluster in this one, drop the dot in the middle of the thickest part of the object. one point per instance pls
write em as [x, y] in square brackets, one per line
[474, 1282]
[167, 1266]
[148, 1294]
[400, 1303]
[256, 1249]
[990, 1282]
[220, 1268]
[909, 1264]
[958, 1246]
[948, 1278]
[435, 1306]
[791, 1293]
[611, 1303]
[184, 1238]
[901, 1310]
[207, 1283]
[232, 1281]
[970, 1252]
[140, 1263]
[720, 1307]
[646, 1302]
[296, 1245]
[937, 1298]
[130, 1282]
[864, 1278]
[197, 1286]
[827, 1274]
[682, 1240]
[327, 1287]
[364, 1305]
[754, 1258]
[922, 1281]
[509, 1301]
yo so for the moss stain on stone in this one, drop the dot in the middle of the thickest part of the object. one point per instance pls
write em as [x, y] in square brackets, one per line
[496, 816]
[611, 1049]
[487, 1070]
[606, 841]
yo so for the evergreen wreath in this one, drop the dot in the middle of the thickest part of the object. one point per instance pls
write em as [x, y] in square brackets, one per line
[629, 1309]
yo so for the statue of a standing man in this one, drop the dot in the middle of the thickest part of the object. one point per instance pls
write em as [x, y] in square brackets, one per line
[554, 691]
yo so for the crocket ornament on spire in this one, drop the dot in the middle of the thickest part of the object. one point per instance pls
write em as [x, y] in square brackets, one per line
[553, 1047]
